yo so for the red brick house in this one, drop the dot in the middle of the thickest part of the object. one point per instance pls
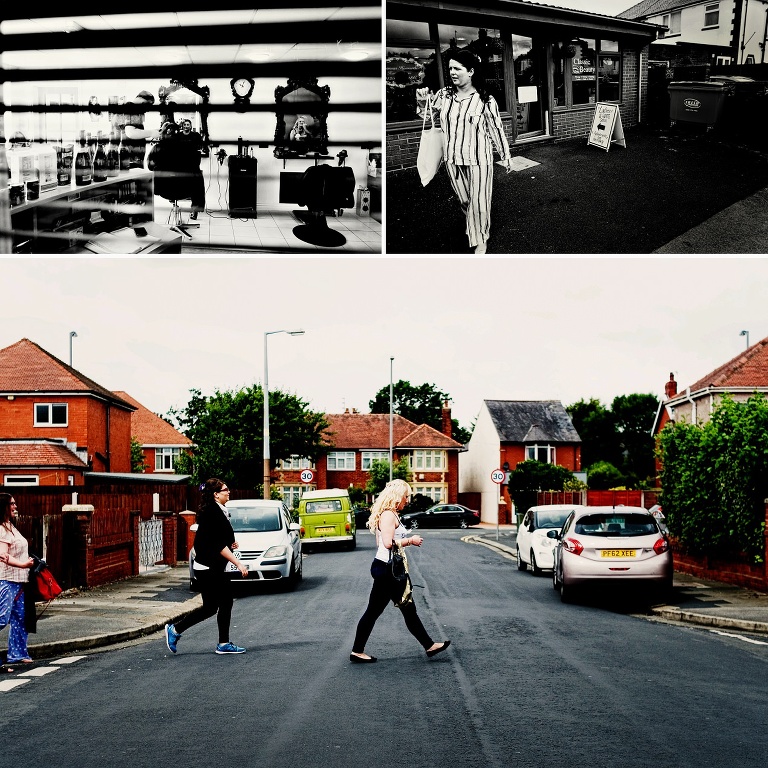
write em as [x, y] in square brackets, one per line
[56, 423]
[357, 439]
[740, 377]
[508, 432]
[160, 442]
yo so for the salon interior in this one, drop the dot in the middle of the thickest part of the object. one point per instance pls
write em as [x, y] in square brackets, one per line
[162, 131]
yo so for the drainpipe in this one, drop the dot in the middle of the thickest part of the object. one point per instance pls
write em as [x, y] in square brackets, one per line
[744, 33]
[108, 452]
[640, 86]
[765, 39]
[693, 404]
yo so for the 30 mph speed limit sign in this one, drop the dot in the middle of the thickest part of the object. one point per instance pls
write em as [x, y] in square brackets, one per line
[307, 476]
[498, 476]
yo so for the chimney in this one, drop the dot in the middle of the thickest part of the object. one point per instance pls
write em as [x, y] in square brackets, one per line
[447, 423]
[670, 388]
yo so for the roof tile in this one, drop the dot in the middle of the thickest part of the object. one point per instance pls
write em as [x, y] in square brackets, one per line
[37, 453]
[748, 369]
[149, 428]
[370, 431]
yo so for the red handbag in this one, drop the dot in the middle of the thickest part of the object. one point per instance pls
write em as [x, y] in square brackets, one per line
[47, 586]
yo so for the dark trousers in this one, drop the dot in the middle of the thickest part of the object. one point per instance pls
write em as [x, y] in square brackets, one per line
[381, 593]
[216, 591]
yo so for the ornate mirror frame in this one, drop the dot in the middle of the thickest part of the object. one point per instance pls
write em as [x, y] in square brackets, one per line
[295, 137]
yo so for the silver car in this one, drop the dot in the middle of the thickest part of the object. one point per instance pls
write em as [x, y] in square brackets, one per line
[268, 543]
[611, 544]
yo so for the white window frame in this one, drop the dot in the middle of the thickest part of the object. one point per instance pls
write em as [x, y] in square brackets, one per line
[161, 454]
[418, 460]
[345, 456]
[296, 462]
[368, 457]
[551, 452]
[712, 10]
[438, 492]
[17, 480]
[294, 492]
[49, 407]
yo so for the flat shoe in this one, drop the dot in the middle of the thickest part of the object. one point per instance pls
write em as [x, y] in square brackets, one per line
[439, 650]
[360, 660]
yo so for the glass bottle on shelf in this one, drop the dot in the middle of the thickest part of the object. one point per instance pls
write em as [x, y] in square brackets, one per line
[125, 152]
[83, 168]
[113, 156]
[100, 161]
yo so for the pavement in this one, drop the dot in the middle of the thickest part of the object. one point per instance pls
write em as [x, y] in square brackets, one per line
[82, 620]
[669, 191]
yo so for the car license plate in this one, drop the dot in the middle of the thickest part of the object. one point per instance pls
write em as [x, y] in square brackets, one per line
[617, 553]
[231, 567]
[323, 529]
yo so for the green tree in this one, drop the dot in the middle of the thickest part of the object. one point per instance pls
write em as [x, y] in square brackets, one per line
[603, 476]
[530, 477]
[715, 479]
[633, 416]
[421, 405]
[378, 476]
[227, 428]
[597, 430]
[138, 462]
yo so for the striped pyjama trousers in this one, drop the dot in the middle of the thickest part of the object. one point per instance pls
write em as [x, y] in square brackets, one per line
[473, 185]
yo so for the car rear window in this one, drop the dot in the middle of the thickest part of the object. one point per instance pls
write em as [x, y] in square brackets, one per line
[616, 524]
[254, 519]
[326, 505]
[551, 519]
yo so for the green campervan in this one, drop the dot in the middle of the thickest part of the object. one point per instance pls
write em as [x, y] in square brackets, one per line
[326, 517]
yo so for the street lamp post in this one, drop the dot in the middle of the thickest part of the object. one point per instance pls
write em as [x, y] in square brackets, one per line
[391, 418]
[72, 335]
[267, 469]
[745, 333]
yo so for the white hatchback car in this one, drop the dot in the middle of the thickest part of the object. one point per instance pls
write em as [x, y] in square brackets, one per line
[534, 548]
[269, 542]
[611, 544]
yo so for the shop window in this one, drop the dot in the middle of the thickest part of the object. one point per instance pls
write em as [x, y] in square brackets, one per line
[586, 71]
[411, 64]
[486, 43]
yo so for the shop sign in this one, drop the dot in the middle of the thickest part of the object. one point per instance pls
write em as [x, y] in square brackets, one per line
[582, 69]
[606, 127]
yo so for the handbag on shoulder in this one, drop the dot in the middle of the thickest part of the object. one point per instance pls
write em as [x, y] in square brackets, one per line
[402, 590]
[45, 583]
[430, 146]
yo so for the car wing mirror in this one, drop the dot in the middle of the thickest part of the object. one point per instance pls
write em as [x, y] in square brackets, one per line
[531, 528]
[294, 527]
[553, 534]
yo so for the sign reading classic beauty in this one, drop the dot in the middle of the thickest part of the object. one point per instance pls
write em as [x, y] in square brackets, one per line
[606, 127]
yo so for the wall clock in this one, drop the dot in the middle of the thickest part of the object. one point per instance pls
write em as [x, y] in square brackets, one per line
[242, 88]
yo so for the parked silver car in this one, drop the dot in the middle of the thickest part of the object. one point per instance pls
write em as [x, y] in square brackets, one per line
[269, 542]
[534, 548]
[611, 544]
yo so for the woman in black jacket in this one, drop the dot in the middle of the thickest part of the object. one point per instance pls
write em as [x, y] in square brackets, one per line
[214, 545]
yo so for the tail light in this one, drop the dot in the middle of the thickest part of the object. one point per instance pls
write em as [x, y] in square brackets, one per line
[661, 546]
[302, 532]
[574, 546]
[347, 527]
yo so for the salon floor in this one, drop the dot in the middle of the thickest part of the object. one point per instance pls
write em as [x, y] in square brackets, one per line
[271, 232]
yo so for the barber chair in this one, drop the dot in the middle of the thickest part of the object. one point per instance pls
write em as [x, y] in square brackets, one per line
[175, 218]
[325, 190]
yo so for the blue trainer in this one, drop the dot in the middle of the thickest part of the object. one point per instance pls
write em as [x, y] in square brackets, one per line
[229, 648]
[171, 637]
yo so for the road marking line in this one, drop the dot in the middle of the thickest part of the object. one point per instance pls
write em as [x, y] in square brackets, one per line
[69, 660]
[39, 672]
[739, 637]
[9, 685]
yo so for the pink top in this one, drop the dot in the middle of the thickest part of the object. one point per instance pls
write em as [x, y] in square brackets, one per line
[18, 549]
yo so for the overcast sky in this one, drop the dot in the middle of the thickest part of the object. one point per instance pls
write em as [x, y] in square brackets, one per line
[606, 7]
[494, 328]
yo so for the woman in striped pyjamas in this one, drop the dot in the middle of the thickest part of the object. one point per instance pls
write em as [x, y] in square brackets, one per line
[471, 122]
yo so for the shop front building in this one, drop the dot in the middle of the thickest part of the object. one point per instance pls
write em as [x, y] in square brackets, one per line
[546, 67]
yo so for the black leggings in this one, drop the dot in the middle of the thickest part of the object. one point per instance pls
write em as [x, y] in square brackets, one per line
[381, 594]
[216, 590]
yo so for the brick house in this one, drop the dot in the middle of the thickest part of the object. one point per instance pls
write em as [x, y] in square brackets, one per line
[508, 432]
[160, 442]
[56, 423]
[357, 439]
[740, 377]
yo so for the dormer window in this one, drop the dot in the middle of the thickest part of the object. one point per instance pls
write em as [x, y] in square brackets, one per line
[51, 414]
